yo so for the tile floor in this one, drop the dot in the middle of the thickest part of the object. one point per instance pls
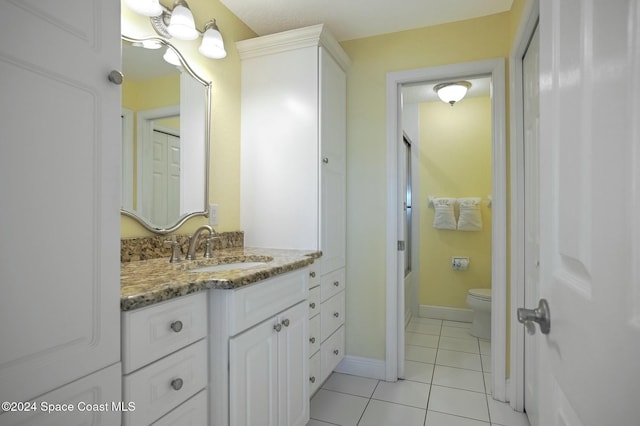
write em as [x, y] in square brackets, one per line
[447, 383]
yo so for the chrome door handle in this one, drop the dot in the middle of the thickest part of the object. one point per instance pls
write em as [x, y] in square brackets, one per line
[540, 315]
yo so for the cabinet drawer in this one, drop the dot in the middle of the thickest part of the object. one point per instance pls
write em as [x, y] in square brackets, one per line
[314, 335]
[193, 412]
[331, 284]
[255, 303]
[165, 384]
[314, 302]
[332, 315]
[331, 353]
[315, 370]
[153, 332]
[314, 274]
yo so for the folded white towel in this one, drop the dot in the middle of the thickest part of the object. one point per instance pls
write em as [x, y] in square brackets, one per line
[444, 217]
[470, 215]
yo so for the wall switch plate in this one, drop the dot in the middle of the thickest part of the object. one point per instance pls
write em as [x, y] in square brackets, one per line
[459, 263]
[213, 214]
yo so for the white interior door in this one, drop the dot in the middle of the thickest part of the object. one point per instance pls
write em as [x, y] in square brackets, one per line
[589, 363]
[165, 182]
[531, 118]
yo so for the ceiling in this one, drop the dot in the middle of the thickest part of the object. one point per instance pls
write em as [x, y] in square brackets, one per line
[352, 19]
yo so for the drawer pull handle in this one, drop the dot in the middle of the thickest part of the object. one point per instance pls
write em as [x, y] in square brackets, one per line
[312, 305]
[312, 340]
[312, 274]
[312, 379]
[277, 327]
[336, 314]
[286, 323]
[176, 326]
[336, 283]
[336, 351]
[176, 384]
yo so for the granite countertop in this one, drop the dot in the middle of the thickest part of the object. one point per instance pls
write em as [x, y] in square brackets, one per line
[145, 282]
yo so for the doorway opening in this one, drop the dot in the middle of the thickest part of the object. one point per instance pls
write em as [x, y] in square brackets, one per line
[494, 68]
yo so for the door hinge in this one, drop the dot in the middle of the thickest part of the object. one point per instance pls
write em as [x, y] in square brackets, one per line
[400, 245]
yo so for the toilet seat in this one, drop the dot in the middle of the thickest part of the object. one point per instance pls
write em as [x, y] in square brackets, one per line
[481, 293]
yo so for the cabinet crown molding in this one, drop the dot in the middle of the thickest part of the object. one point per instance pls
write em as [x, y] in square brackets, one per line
[315, 35]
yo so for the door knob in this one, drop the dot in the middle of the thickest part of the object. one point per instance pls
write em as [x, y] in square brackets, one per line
[115, 77]
[540, 315]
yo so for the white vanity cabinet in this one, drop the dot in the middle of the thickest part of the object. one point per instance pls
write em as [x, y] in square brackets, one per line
[293, 162]
[258, 337]
[164, 360]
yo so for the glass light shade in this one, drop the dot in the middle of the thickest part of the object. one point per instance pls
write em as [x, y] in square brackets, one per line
[171, 57]
[452, 92]
[212, 45]
[151, 44]
[182, 26]
[145, 7]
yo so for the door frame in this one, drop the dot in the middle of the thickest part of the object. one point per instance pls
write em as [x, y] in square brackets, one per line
[527, 27]
[395, 305]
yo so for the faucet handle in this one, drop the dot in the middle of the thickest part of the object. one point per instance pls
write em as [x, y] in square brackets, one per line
[207, 247]
[176, 254]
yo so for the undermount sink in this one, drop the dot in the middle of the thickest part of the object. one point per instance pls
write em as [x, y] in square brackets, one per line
[229, 264]
[228, 267]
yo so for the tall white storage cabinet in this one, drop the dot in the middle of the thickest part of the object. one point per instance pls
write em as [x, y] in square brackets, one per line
[293, 166]
[60, 220]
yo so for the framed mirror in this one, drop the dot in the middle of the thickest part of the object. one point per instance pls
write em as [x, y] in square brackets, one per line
[165, 136]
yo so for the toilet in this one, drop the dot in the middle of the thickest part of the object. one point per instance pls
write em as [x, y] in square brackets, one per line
[479, 300]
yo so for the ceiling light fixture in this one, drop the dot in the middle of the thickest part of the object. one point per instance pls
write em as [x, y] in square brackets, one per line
[452, 92]
[178, 22]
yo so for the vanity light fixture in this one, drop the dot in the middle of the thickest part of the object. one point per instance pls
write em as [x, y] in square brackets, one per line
[212, 45]
[181, 23]
[452, 92]
[178, 22]
[145, 7]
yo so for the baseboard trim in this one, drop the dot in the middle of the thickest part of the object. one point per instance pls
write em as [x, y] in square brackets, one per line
[446, 313]
[363, 367]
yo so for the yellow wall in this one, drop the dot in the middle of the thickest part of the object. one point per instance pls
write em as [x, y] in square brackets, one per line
[372, 58]
[224, 180]
[455, 161]
[152, 93]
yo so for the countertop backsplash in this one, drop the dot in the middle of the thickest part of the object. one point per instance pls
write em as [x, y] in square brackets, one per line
[145, 248]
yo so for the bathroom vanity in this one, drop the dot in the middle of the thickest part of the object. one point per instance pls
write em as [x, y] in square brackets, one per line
[228, 345]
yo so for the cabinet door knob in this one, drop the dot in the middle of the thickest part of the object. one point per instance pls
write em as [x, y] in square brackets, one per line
[312, 379]
[277, 327]
[312, 340]
[312, 274]
[176, 326]
[336, 283]
[116, 77]
[312, 305]
[325, 160]
[176, 384]
[336, 352]
[285, 322]
[336, 314]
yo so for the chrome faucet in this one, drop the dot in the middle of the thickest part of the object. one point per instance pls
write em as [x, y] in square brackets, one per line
[193, 242]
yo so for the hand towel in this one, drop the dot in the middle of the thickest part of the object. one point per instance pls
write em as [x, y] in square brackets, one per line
[470, 215]
[444, 217]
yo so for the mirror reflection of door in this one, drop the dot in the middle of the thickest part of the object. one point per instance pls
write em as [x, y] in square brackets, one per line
[161, 189]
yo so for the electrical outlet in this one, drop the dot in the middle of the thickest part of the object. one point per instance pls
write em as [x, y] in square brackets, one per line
[213, 214]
